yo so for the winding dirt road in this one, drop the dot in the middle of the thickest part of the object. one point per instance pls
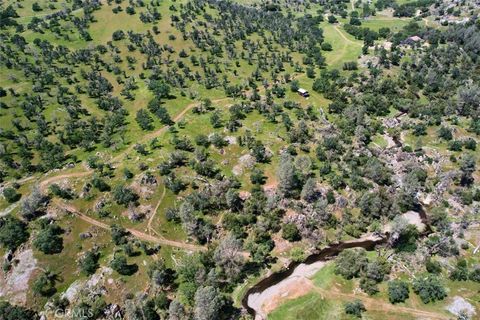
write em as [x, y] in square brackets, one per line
[163, 129]
[44, 184]
[138, 234]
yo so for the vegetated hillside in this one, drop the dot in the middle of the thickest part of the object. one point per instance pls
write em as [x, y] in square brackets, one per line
[156, 157]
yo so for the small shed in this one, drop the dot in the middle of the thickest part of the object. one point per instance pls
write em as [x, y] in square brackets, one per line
[304, 93]
[413, 40]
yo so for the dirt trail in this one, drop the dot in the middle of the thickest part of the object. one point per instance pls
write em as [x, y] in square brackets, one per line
[343, 36]
[163, 129]
[43, 185]
[377, 305]
[8, 209]
[343, 50]
[44, 14]
[149, 225]
[300, 285]
[177, 118]
[46, 182]
[134, 232]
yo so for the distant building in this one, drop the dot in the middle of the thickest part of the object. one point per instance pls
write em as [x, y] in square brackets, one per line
[453, 20]
[413, 40]
[304, 93]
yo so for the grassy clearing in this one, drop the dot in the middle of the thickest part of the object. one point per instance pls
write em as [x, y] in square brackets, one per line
[379, 141]
[345, 47]
[311, 306]
[403, 1]
[73, 246]
[379, 315]
[375, 23]
[26, 12]
[166, 228]
[346, 290]
[325, 276]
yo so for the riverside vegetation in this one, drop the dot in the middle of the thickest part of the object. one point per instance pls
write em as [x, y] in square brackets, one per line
[157, 159]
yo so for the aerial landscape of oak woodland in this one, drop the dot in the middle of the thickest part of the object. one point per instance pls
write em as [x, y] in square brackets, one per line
[240, 159]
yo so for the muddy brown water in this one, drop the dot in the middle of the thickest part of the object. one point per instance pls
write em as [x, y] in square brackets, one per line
[323, 255]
